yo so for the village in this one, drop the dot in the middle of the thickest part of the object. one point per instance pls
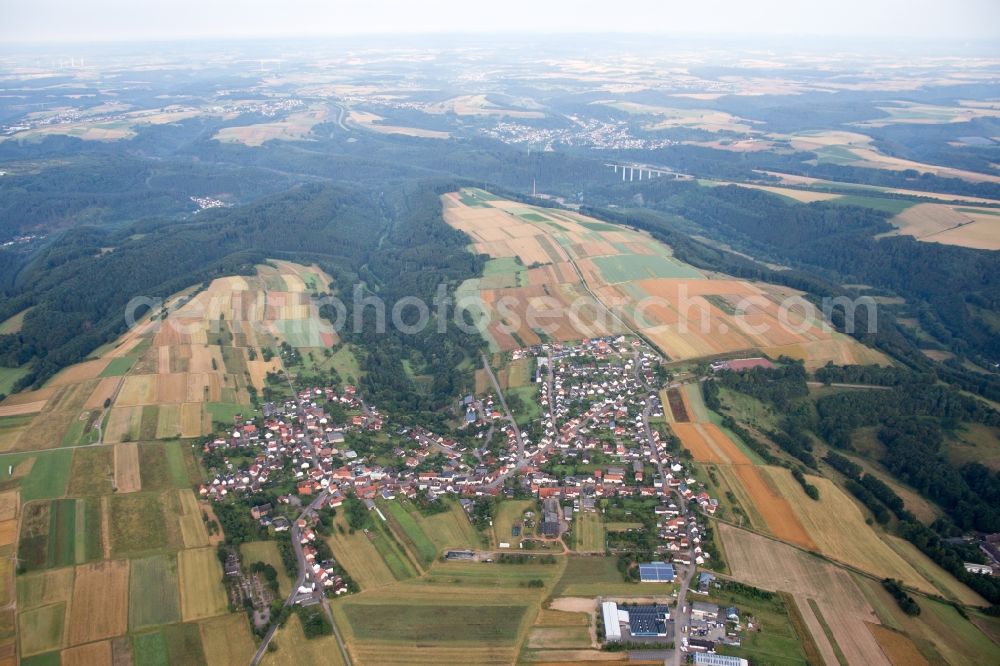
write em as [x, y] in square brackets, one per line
[601, 419]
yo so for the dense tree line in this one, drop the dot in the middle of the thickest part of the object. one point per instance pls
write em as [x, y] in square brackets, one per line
[914, 455]
[873, 375]
[842, 412]
[779, 385]
[905, 601]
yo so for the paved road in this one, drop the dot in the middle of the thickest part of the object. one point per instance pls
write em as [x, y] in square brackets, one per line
[304, 578]
[682, 618]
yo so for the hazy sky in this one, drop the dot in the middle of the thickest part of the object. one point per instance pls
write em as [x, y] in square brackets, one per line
[123, 20]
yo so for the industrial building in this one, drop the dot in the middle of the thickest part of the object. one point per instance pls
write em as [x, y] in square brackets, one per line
[641, 621]
[656, 572]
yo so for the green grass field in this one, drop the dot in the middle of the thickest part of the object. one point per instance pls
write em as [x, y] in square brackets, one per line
[893, 206]
[267, 552]
[599, 226]
[346, 364]
[775, 642]
[41, 629]
[48, 476]
[451, 528]
[153, 594]
[629, 267]
[445, 623]
[224, 412]
[119, 366]
[596, 576]
[508, 513]
[161, 466]
[149, 649]
[588, 532]
[62, 533]
[525, 405]
[408, 530]
[89, 530]
[9, 376]
[391, 551]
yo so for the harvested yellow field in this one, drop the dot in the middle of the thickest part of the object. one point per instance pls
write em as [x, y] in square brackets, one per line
[168, 422]
[227, 640]
[898, 648]
[322, 650]
[802, 196]
[202, 594]
[137, 390]
[92, 654]
[837, 526]
[75, 374]
[193, 531]
[8, 531]
[478, 105]
[292, 128]
[372, 122]
[127, 477]
[9, 500]
[41, 395]
[771, 565]
[23, 408]
[104, 391]
[123, 424]
[952, 225]
[358, 556]
[947, 585]
[193, 420]
[99, 608]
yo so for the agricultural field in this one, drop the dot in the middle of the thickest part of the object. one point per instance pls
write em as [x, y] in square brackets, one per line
[99, 605]
[226, 641]
[564, 632]
[294, 127]
[200, 574]
[154, 598]
[44, 475]
[837, 527]
[139, 523]
[450, 529]
[939, 633]
[293, 649]
[586, 278]
[776, 638]
[827, 597]
[41, 629]
[466, 611]
[408, 531]
[373, 122]
[357, 554]
[951, 225]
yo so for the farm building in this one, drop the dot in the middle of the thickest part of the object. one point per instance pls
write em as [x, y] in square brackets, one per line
[705, 659]
[656, 572]
[612, 621]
